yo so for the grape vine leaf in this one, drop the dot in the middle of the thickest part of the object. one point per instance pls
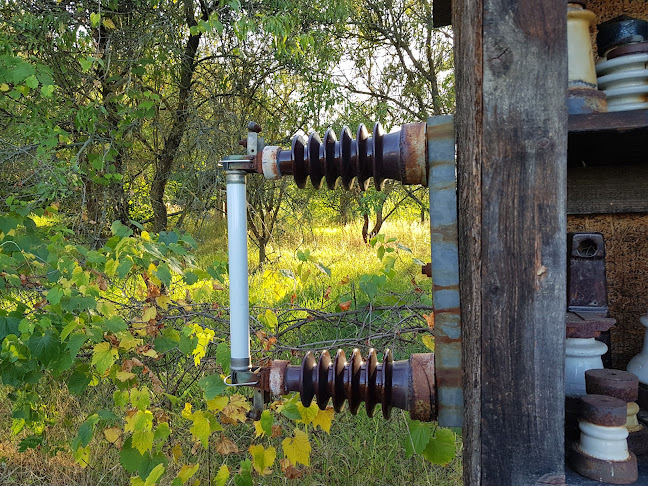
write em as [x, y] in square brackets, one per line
[222, 476]
[418, 438]
[104, 356]
[262, 458]
[441, 448]
[323, 419]
[212, 386]
[297, 448]
[185, 474]
[307, 414]
[201, 428]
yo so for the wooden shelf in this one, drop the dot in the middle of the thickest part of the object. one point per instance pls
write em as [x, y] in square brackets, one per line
[616, 138]
[608, 163]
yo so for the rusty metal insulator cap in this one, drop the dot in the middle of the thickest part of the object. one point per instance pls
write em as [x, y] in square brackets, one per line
[603, 410]
[613, 383]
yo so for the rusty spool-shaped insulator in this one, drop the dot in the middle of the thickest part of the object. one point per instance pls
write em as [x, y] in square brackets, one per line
[399, 156]
[407, 384]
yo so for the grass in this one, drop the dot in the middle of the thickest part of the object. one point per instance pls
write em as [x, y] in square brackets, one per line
[359, 450]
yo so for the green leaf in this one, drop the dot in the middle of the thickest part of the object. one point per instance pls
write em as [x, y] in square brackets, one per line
[54, 295]
[124, 267]
[212, 386]
[79, 380]
[32, 82]
[121, 230]
[441, 448]
[76, 341]
[223, 356]
[291, 411]
[86, 64]
[140, 398]
[190, 278]
[266, 422]
[269, 319]
[115, 324]
[45, 347]
[47, 90]
[104, 356]
[419, 435]
[244, 478]
[162, 432]
[164, 274]
[381, 252]
[95, 19]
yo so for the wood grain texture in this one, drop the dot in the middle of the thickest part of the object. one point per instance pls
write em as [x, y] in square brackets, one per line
[511, 68]
[607, 190]
[467, 23]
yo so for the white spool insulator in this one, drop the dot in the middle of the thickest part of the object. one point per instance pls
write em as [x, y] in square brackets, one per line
[632, 422]
[639, 364]
[581, 354]
[608, 443]
[581, 72]
[625, 82]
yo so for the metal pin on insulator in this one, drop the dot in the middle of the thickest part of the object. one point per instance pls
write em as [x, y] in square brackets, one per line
[400, 156]
[407, 384]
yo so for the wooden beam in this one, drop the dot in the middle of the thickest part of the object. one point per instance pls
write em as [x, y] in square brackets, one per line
[511, 132]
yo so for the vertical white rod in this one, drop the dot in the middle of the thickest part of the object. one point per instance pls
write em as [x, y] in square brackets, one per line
[238, 270]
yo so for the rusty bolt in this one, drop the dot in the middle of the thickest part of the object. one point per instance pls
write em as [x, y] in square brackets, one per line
[613, 383]
[603, 410]
[427, 269]
[254, 127]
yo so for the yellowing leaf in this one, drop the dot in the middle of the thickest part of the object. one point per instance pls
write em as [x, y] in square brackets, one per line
[151, 353]
[222, 476]
[143, 440]
[204, 336]
[235, 410]
[4, 87]
[297, 449]
[176, 451]
[428, 340]
[258, 430]
[109, 24]
[149, 313]
[145, 234]
[163, 301]
[82, 456]
[323, 419]
[307, 413]
[187, 471]
[154, 475]
[201, 428]
[127, 341]
[186, 411]
[104, 356]
[124, 375]
[113, 435]
[262, 458]
[217, 404]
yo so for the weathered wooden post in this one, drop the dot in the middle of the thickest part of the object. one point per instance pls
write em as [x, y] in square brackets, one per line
[511, 132]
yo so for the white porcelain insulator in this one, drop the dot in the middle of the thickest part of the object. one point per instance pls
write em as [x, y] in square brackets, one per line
[581, 70]
[609, 443]
[581, 354]
[639, 364]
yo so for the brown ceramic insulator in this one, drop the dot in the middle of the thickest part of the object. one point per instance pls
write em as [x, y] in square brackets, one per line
[402, 384]
[603, 410]
[381, 156]
[613, 383]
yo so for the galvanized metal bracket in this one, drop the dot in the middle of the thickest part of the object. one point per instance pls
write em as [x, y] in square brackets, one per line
[442, 183]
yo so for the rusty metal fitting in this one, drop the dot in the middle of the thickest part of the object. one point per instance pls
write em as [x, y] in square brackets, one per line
[400, 156]
[625, 386]
[603, 410]
[602, 452]
[613, 383]
[603, 470]
[427, 269]
[586, 282]
[407, 384]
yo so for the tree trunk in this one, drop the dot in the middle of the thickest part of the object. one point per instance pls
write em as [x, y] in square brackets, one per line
[164, 162]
